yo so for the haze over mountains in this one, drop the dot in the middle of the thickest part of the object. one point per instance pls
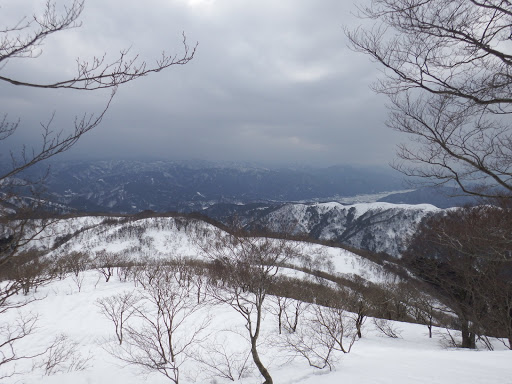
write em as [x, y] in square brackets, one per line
[129, 186]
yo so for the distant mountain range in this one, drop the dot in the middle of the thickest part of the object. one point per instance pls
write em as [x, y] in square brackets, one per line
[441, 197]
[128, 186]
[133, 186]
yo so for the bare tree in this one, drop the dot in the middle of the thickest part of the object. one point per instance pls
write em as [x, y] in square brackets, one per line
[465, 256]
[106, 262]
[286, 302]
[164, 334]
[76, 262]
[447, 72]
[22, 274]
[248, 267]
[10, 334]
[63, 356]
[328, 330]
[25, 272]
[118, 309]
[360, 307]
[336, 325]
[288, 312]
[387, 328]
[427, 309]
[224, 360]
[23, 39]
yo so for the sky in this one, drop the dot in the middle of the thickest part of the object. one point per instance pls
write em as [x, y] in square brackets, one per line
[272, 82]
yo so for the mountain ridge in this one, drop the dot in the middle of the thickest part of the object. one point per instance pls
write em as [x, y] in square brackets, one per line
[132, 186]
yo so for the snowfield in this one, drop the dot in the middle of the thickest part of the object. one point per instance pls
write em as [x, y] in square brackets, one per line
[413, 358]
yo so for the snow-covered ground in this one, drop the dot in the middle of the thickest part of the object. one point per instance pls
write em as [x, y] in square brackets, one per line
[412, 358]
[72, 314]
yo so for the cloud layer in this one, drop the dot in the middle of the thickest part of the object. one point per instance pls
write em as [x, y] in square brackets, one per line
[272, 81]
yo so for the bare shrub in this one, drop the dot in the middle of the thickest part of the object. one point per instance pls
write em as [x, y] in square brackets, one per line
[361, 307]
[224, 361]
[76, 262]
[387, 328]
[10, 335]
[448, 339]
[78, 280]
[63, 356]
[288, 312]
[125, 270]
[106, 262]
[427, 310]
[328, 330]
[118, 309]
[164, 333]
[28, 270]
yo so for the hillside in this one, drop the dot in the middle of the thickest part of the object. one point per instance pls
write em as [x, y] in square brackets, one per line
[67, 318]
[176, 237]
[377, 227]
[410, 359]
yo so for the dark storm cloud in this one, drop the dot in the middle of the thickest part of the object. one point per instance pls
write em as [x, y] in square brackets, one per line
[272, 81]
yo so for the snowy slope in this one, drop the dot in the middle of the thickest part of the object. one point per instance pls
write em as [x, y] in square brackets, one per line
[413, 358]
[171, 237]
[378, 227]
[68, 307]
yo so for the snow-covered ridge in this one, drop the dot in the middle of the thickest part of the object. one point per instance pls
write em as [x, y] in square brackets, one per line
[172, 237]
[362, 208]
[378, 227]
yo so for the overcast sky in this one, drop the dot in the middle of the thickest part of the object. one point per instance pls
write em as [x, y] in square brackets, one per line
[271, 82]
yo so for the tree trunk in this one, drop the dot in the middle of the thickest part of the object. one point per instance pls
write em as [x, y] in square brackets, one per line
[264, 372]
[468, 337]
[280, 318]
[510, 329]
[254, 341]
[296, 320]
[359, 324]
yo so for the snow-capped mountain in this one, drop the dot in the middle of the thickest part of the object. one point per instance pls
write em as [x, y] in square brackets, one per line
[378, 227]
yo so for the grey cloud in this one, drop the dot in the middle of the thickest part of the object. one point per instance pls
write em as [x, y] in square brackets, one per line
[271, 81]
